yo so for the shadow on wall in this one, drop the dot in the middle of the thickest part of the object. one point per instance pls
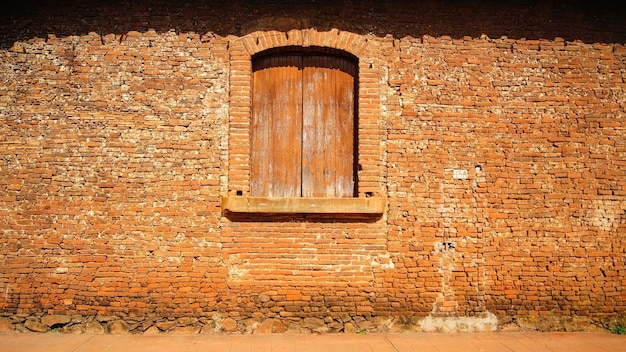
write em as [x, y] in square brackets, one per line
[589, 21]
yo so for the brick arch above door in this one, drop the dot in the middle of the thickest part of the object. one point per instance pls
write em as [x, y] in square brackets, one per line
[354, 44]
[365, 49]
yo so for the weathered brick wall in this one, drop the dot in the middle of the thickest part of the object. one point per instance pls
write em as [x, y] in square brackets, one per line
[538, 224]
[494, 130]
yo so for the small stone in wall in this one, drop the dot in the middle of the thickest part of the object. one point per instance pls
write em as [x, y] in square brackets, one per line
[229, 324]
[251, 325]
[18, 48]
[208, 328]
[73, 329]
[135, 328]
[93, 327]
[364, 324]
[278, 326]
[36, 326]
[5, 325]
[118, 327]
[51, 320]
[383, 324]
[186, 321]
[153, 330]
[312, 323]
[105, 318]
[19, 318]
[21, 328]
[165, 325]
[265, 327]
[350, 328]
[334, 326]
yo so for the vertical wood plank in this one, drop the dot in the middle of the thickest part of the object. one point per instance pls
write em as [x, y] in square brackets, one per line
[260, 148]
[345, 90]
[312, 106]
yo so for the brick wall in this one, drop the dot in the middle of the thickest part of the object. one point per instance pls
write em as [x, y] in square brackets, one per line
[495, 131]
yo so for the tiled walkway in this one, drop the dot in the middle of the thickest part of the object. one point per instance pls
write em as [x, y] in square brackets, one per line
[415, 342]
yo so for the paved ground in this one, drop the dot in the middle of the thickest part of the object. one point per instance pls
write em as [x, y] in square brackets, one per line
[422, 342]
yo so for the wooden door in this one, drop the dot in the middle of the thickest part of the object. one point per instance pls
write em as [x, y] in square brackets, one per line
[328, 127]
[276, 156]
[303, 126]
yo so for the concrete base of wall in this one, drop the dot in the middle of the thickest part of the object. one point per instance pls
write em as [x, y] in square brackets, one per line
[487, 322]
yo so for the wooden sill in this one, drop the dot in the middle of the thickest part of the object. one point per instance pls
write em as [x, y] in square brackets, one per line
[296, 205]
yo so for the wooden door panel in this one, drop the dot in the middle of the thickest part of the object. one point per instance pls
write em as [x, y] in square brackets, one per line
[346, 131]
[277, 127]
[328, 127]
[260, 130]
